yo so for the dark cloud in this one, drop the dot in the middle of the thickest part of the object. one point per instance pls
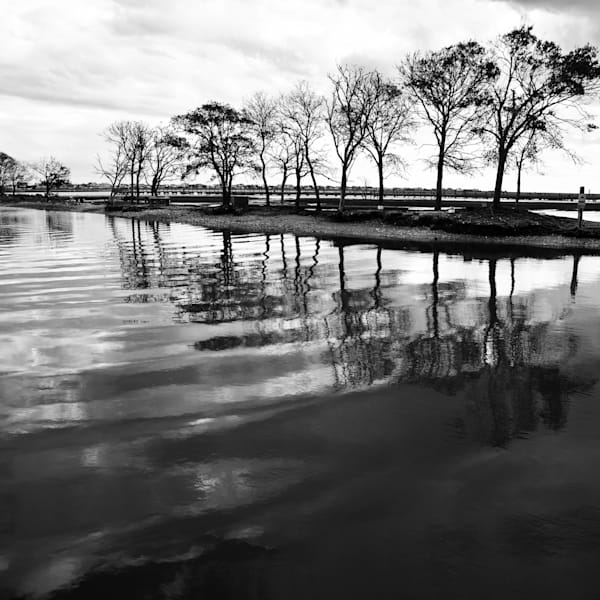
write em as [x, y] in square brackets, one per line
[580, 6]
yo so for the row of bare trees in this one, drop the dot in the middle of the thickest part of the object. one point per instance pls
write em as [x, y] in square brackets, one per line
[500, 104]
[140, 154]
[48, 172]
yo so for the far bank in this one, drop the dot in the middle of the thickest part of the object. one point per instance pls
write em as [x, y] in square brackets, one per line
[506, 227]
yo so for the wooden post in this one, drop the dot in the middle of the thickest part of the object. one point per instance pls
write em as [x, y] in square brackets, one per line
[580, 207]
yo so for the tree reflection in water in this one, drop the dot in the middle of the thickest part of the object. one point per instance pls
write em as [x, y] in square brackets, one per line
[505, 364]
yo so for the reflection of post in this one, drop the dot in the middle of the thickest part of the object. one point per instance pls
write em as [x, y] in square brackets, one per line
[576, 258]
[264, 261]
[512, 287]
[377, 288]
[283, 261]
[227, 260]
[343, 297]
[512, 276]
[492, 301]
[133, 240]
[298, 273]
[434, 291]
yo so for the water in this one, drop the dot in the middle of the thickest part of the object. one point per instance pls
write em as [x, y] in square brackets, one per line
[189, 413]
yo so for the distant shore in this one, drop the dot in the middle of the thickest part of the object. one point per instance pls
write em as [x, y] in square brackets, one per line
[463, 228]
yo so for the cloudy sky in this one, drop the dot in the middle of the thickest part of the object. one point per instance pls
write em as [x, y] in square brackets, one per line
[69, 68]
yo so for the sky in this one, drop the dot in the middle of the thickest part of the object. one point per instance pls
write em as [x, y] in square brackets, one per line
[69, 68]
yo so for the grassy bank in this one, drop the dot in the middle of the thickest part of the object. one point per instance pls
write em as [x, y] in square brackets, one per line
[476, 226]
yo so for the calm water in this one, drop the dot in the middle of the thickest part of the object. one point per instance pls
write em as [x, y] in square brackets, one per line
[195, 414]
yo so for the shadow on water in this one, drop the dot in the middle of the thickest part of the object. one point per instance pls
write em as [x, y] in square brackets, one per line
[340, 421]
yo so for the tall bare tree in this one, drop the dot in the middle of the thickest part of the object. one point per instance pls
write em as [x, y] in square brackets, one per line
[391, 122]
[133, 141]
[261, 111]
[450, 87]
[348, 112]
[114, 169]
[165, 158]
[218, 138]
[303, 112]
[539, 89]
[282, 154]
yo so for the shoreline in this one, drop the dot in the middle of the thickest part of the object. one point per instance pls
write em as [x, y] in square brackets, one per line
[370, 230]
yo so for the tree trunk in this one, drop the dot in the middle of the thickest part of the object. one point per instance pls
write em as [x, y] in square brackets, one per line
[298, 188]
[380, 171]
[225, 192]
[264, 178]
[132, 179]
[137, 183]
[343, 185]
[499, 179]
[283, 180]
[438, 184]
[314, 181]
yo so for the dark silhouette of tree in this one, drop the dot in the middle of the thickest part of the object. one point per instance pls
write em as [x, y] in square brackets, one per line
[7, 164]
[165, 158]
[390, 123]
[283, 155]
[115, 169]
[450, 88]
[539, 89]
[303, 116]
[52, 174]
[290, 155]
[19, 174]
[131, 143]
[217, 138]
[527, 152]
[348, 114]
[261, 111]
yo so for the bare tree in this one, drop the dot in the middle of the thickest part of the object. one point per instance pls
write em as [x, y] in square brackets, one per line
[391, 122]
[283, 157]
[115, 169]
[261, 111]
[299, 166]
[52, 173]
[348, 113]
[526, 152]
[303, 112]
[450, 88]
[132, 140]
[18, 174]
[165, 158]
[539, 89]
[218, 138]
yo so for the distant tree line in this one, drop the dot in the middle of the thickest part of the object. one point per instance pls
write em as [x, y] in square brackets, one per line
[501, 105]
